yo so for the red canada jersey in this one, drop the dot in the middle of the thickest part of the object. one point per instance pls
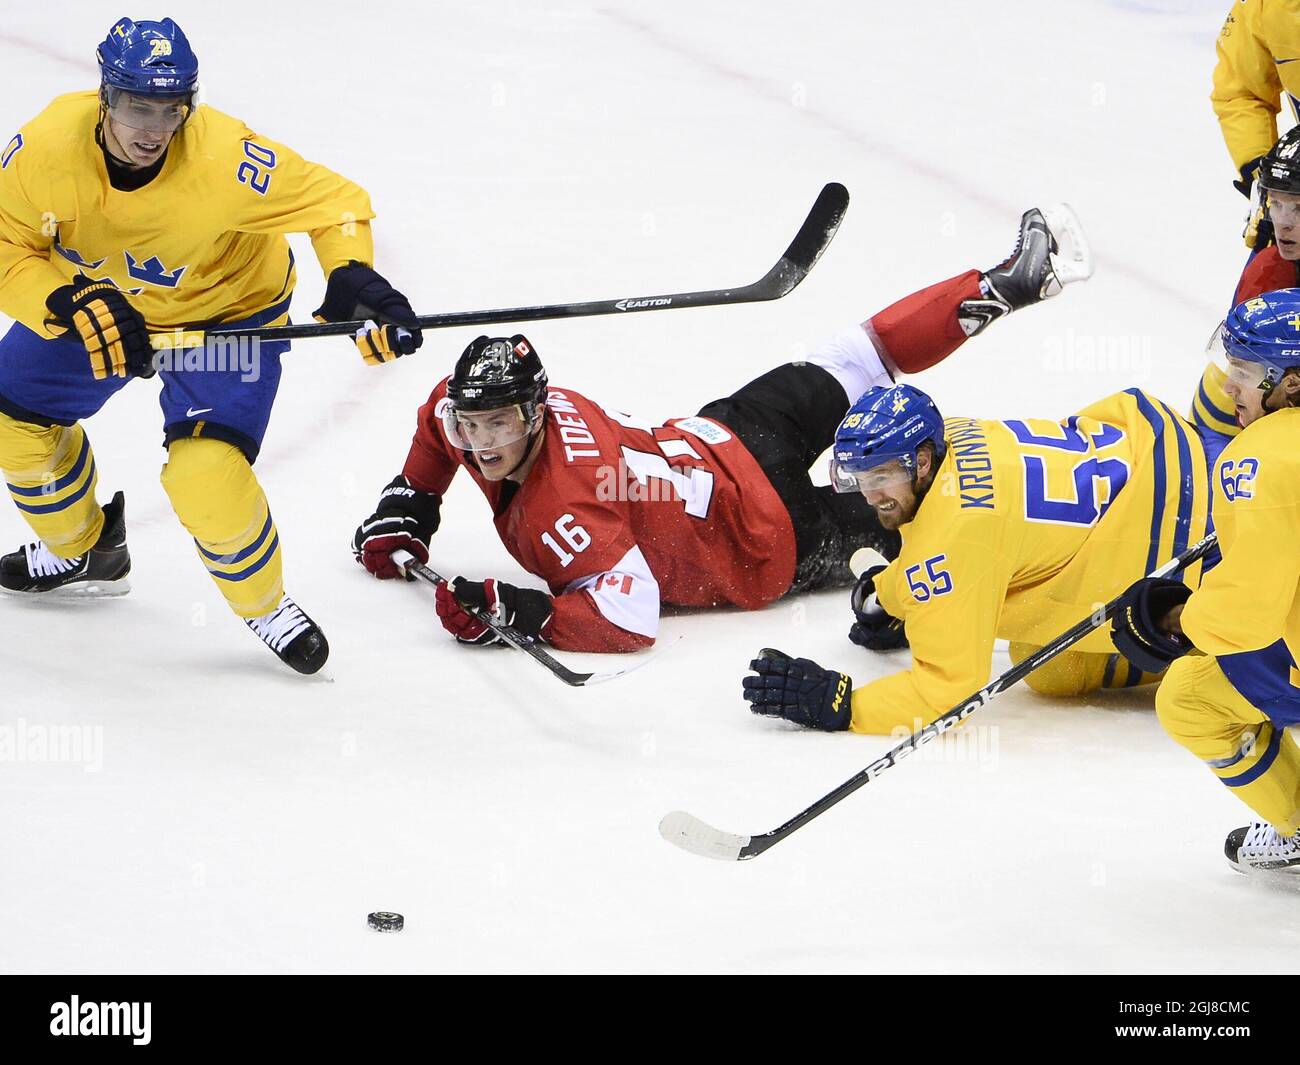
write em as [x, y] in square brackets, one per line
[618, 516]
[1266, 272]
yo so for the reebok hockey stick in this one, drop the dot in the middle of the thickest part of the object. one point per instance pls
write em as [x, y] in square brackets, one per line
[691, 834]
[812, 239]
[409, 565]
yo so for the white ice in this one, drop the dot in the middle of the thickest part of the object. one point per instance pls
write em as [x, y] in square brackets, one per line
[244, 819]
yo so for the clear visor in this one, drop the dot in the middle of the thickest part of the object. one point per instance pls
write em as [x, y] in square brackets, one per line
[885, 477]
[488, 430]
[1242, 374]
[1283, 208]
[148, 114]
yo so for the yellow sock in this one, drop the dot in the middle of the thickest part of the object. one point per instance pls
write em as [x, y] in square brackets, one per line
[217, 497]
[50, 474]
[1199, 707]
[1079, 672]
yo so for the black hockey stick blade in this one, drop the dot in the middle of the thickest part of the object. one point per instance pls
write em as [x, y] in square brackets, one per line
[508, 633]
[812, 239]
[691, 834]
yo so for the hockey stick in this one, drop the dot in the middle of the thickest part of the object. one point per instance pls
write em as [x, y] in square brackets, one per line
[691, 834]
[812, 239]
[409, 565]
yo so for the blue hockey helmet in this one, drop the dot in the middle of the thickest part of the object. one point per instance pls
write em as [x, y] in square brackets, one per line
[884, 425]
[1261, 339]
[147, 59]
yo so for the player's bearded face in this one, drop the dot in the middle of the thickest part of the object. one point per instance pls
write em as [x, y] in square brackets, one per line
[138, 129]
[891, 490]
[1284, 213]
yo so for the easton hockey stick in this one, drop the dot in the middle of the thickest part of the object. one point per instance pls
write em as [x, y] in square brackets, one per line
[691, 834]
[408, 564]
[812, 239]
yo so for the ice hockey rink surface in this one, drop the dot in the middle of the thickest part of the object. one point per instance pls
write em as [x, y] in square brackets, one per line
[227, 815]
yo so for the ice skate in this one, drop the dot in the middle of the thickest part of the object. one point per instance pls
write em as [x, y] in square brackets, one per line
[100, 573]
[1258, 847]
[293, 636]
[1051, 252]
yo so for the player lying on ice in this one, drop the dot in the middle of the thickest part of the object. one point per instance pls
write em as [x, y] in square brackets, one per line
[1232, 689]
[1011, 529]
[129, 211]
[618, 516]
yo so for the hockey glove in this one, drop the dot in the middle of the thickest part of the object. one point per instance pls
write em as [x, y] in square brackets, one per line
[355, 291]
[1138, 633]
[405, 520]
[875, 629]
[799, 690]
[1249, 175]
[523, 609]
[1258, 233]
[113, 331]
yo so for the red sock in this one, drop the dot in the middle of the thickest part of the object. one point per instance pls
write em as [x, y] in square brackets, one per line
[921, 330]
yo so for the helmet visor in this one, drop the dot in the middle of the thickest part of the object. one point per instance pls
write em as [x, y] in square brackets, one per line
[850, 475]
[1243, 374]
[148, 114]
[1283, 208]
[1246, 375]
[489, 430]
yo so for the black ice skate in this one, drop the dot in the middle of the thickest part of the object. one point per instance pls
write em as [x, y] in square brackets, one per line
[1259, 847]
[1051, 252]
[101, 572]
[293, 636]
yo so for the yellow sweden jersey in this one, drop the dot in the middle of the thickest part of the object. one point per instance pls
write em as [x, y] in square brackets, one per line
[202, 242]
[1258, 61]
[1247, 613]
[1028, 526]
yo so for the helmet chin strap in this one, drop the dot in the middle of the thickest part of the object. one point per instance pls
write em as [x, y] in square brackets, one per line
[1272, 381]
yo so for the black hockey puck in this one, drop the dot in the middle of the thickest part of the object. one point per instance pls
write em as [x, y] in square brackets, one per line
[383, 921]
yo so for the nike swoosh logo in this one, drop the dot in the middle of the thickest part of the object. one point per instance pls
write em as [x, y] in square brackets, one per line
[1279, 62]
[192, 413]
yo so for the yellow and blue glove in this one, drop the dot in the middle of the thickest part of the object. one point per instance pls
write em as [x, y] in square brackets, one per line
[114, 332]
[354, 292]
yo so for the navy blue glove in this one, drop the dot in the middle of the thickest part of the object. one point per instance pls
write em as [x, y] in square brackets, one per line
[1249, 175]
[875, 628]
[799, 690]
[355, 292]
[1138, 635]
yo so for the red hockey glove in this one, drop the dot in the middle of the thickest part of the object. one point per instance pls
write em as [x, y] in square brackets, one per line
[523, 609]
[405, 520]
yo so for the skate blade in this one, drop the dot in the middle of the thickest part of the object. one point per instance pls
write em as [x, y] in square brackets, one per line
[83, 590]
[1072, 260]
[1286, 878]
